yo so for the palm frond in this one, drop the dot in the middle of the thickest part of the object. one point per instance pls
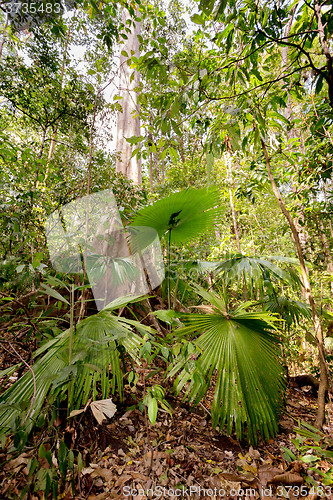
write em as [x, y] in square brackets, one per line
[292, 311]
[185, 215]
[256, 270]
[95, 348]
[241, 349]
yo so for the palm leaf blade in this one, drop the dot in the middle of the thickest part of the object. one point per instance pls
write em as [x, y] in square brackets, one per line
[185, 214]
[243, 353]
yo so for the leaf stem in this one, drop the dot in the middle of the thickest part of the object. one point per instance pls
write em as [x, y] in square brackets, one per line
[71, 335]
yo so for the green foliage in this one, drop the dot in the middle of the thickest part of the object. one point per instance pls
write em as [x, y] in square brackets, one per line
[312, 446]
[259, 272]
[240, 347]
[183, 216]
[95, 347]
[155, 396]
[203, 94]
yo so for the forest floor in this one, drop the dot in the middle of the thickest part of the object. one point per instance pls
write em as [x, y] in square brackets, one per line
[179, 457]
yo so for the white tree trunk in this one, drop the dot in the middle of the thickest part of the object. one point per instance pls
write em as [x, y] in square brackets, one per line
[128, 123]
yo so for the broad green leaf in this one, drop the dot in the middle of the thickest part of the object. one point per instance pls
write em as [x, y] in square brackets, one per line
[152, 410]
[241, 349]
[184, 215]
[53, 293]
[197, 19]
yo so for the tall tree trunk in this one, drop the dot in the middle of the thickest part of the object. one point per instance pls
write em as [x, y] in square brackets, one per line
[284, 62]
[291, 134]
[128, 122]
[233, 212]
[323, 385]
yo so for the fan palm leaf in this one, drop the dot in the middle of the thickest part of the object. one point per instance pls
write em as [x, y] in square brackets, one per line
[256, 270]
[184, 215]
[241, 349]
[95, 349]
[292, 311]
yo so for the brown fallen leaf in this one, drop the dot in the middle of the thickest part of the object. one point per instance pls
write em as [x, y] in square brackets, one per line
[73, 413]
[18, 462]
[122, 480]
[229, 485]
[139, 488]
[101, 496]
[138, 475]
[273, 457]
[295, 405]
[232, 477]
[157, 454]
[102, 472]
[297, 465]
[286, 424]
[266, 473]
[254, 454]
[87, 470]
[287, 478]
[313, 496]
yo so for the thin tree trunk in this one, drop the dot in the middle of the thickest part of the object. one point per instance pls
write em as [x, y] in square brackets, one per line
[234, 217]
[329, 220]
[40, 154]
[151, 164]
[2, 43]
[323, 385]
[163, 170]
[181, 150]
[326, 248]
[157, 169]
[128, 122]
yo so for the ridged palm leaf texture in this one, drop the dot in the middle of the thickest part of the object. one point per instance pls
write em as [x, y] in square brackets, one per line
[181, 217]
[258, 272]
[239, 350]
